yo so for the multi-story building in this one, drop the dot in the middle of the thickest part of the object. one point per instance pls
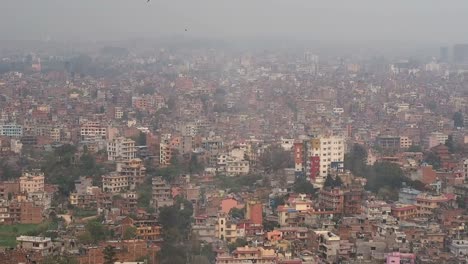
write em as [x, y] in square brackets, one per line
[162, 193]
[327, 245]
[320, 155]
[115, 182]
[121, 149]
[248, 255]
[43, 245]
[436, 138]
[459, 248]
[388, 142]
[404, 211]
[332, 199]
[32, 181]
[92, 130]
[405, 142]
[134, 169]
[225, 229]
[237, 167]
[11, 130]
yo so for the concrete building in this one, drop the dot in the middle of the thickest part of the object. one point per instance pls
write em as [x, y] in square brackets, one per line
[115, 183]
[11, 130]
[405, 142]
[92, 130]
[121, 149]
[459, 247]
[436, 138]
[42, 245]
[323, 153]
[32, 182]
[398, 258]
[327, 245]
[254, 212]
[134, 170]
[162, 194]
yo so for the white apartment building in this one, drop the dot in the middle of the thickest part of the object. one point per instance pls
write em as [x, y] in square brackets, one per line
[330, 149]
[11, 130]
[121, 149]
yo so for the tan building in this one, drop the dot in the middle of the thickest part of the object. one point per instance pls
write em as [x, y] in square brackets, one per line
[405, 142]
[162, 193]
[134, 169]
[92, 130]
[32, 182]
[121, 149]
[115, 183]
[43, 245]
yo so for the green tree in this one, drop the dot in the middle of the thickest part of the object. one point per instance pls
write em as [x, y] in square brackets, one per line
[109, 255]
[434, 160]
[238, 213]
[239, 243]
[355, 161]
[333, 182]
[302, 185]
[97, 231]
[130, 233]
[414, 148]
[451, 144]
[276, 158]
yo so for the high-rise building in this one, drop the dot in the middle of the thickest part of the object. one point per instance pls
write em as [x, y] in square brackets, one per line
[460, 53]
[320, 155]
[444, 54]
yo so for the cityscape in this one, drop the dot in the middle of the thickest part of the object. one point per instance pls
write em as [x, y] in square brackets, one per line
[190, 149]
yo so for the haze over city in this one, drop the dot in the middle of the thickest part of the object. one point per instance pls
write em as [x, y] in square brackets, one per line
[229, 132]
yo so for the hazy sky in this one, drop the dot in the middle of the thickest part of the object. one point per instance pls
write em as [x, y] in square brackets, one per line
[342, 21]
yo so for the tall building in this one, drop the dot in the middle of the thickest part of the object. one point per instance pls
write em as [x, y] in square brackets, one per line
[121, 149]
[460, 53]
[444, 54]
[162, 193]
[319, 155]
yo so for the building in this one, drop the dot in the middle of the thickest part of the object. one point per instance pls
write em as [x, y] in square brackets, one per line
[92, 130]
[320, 155]
[31, 182]
[408, 195]
[405, 142]
[398, 258]
[436, 138]
[134, 170]
[11, 130]
[121, 149]
[42, 245]
[162, 193]
[235, 167]
[404, 211]
[327, 245]
[115, 183]
[465, 169]
[460, 53]
[388, 142]
[248, 255]
[254, 212]
[459, 248]
[331, 199]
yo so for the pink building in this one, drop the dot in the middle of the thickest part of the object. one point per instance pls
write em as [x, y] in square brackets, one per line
[397, 258]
